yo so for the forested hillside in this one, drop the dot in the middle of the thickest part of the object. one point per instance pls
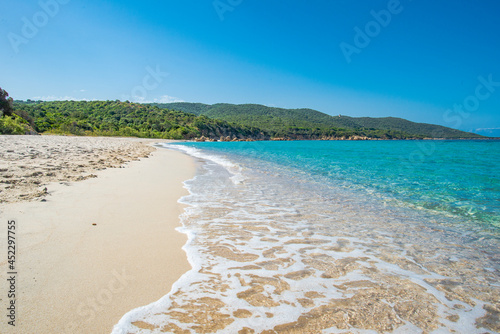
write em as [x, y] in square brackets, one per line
[115, 118]
[197, 120]
[287, 122]
[412, 128]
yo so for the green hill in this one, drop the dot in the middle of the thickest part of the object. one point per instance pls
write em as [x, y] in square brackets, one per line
[429, 130]
[115, 118]
[290, 122]
[195, 120]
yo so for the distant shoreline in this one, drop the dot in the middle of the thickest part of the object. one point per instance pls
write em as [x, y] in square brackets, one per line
[346, 139]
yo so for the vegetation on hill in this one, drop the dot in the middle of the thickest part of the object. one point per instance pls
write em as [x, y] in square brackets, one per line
[284, 123]
[189, 107]
[182, 120]
[12, 122]
[289, 122]
[115, 118]
[412, 128]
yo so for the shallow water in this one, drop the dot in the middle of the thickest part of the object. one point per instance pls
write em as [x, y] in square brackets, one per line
[336, 237]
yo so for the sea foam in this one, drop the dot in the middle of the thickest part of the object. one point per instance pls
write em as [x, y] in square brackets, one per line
[281, 253]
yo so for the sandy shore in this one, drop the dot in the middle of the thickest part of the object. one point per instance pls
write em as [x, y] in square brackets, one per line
[29, 162]
[88, 252]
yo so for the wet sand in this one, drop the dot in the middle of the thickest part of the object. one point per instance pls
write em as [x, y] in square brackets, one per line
[97, 242]
[274, 253]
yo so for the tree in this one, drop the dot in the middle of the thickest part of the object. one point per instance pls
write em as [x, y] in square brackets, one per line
[5, 103]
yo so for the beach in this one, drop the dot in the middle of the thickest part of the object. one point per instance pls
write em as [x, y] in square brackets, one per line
[92, 240]
[272, 237]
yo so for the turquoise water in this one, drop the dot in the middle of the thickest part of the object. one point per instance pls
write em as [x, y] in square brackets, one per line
[456, 178]
[336, 237]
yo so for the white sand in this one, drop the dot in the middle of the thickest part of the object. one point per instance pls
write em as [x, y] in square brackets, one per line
[76, 277]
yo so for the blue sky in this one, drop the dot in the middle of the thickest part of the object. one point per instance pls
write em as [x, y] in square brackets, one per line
[426, 61]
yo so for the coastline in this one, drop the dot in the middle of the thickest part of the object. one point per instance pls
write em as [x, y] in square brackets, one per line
[286, 252]
[77, 277]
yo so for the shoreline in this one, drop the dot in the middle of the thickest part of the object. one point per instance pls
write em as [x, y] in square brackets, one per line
[279, 253]
[198, 140]
[77, 277]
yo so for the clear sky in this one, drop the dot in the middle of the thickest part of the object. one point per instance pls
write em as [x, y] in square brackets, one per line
[426, 61]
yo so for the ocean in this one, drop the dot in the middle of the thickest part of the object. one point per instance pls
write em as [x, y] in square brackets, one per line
[336, 237]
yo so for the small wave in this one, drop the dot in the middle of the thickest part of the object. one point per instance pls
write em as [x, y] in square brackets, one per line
[233, 168]
[278, 254]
